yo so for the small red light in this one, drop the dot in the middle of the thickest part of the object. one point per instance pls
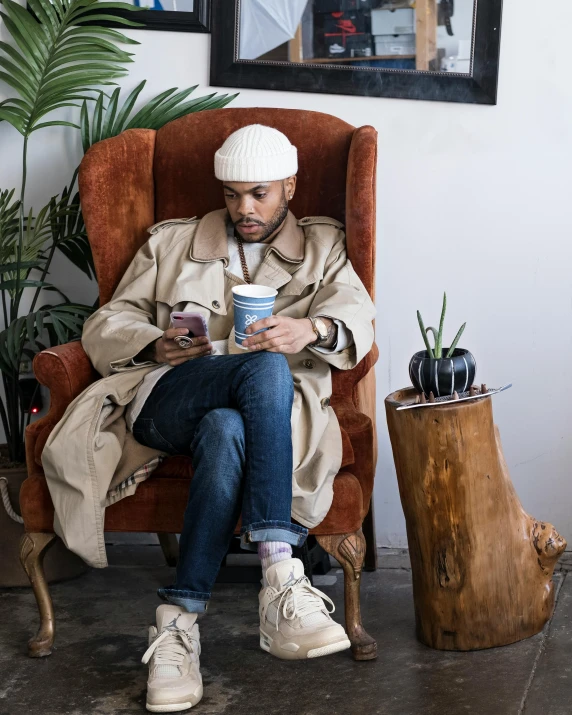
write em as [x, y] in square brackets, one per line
[34, 409]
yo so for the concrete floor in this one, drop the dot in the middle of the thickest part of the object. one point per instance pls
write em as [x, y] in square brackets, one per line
[102, 620]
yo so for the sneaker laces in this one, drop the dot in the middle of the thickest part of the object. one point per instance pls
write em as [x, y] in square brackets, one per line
[170, 647]
[299, 599]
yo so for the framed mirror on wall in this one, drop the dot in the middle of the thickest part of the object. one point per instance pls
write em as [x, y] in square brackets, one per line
[444, 50]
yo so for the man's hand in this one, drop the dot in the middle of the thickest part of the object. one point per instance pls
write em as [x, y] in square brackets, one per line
[167, 350]
[285, 335]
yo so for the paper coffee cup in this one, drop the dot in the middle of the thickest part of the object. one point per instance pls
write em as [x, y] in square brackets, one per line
[251, 303]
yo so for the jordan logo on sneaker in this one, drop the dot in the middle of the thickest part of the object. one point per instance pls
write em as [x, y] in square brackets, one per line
[291, 579]
[173, 624]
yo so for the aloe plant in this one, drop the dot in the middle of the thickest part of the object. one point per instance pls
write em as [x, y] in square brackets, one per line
[437, 351]
[60, 58]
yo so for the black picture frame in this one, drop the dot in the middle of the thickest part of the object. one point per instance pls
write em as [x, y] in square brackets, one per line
[478, 88]
[199, 20]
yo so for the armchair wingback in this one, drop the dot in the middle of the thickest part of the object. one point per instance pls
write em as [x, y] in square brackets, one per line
[143, 176]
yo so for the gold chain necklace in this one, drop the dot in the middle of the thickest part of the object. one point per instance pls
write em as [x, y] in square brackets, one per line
[245, 273]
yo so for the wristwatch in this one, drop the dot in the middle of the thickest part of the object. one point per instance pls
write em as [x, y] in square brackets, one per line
[321, 330]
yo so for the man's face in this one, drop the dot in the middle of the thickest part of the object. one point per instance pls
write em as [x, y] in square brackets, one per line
[258, 210]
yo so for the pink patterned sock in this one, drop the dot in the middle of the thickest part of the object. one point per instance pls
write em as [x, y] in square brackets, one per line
[270, 552]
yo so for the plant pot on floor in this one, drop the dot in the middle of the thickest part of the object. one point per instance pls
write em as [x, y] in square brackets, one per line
[442, 376]
[59, 563]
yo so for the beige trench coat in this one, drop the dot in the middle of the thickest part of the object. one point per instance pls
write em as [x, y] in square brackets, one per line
[90, 455]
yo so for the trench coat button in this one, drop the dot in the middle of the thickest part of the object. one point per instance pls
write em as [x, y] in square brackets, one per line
[325, 402]
[216, 304]
[308, 363]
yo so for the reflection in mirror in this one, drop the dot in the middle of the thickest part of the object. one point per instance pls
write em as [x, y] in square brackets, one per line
[425, 35]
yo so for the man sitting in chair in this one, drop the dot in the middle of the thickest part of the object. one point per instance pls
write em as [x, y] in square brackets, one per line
[264, 442]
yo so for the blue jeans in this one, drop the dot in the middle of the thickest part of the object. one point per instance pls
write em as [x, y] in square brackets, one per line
[231, 414]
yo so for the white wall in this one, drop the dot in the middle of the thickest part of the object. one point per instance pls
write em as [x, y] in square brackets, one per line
[471, 199]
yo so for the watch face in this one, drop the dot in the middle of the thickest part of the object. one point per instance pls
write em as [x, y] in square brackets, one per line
[322, 328]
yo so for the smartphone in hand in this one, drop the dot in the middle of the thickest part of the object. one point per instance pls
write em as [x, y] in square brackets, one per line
[195, 323]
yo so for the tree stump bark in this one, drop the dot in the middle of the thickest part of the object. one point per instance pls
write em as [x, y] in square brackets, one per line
[482, 567]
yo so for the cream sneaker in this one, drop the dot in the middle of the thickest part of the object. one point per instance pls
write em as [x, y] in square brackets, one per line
[294, 621]
[174, 681]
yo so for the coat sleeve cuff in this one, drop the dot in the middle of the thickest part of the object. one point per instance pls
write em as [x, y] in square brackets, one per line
[133, 347]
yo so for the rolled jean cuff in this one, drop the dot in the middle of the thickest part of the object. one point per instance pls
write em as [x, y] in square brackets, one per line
[191, 601]
[272, 531]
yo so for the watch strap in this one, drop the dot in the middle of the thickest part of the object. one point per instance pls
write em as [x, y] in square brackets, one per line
[319, 339]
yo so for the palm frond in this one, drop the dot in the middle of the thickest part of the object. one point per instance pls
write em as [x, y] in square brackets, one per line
[58, 58]
[58, 55]
[63, 322]
[70, 237]
[37, 232]
[8, 225]
[109, 119]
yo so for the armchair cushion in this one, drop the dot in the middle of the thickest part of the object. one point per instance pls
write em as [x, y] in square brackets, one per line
[159, 504]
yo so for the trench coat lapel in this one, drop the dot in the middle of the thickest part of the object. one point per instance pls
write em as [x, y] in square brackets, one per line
[210, 247]
[284, 255]
[209, 243]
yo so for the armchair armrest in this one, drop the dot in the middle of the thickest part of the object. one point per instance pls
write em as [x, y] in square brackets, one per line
[66, 371]
[344, 381]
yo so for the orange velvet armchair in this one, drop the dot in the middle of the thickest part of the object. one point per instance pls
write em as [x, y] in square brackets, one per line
[129, 182]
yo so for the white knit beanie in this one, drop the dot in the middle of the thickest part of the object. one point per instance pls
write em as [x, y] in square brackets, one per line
[256, 153]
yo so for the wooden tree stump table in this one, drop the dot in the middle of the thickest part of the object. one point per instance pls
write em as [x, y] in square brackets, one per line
[482, 567]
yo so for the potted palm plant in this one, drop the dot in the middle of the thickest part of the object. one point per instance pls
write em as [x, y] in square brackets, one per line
[438, 370]
[60, 58]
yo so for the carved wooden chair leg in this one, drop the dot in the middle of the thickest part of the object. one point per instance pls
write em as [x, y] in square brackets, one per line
[349, 550]
[368, 528]
[32, 551]
[170, 547]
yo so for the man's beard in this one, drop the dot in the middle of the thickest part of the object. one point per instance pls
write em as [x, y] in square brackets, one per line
[269, 228]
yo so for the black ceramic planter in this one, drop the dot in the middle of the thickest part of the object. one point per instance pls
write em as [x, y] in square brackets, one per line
[442, 376]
